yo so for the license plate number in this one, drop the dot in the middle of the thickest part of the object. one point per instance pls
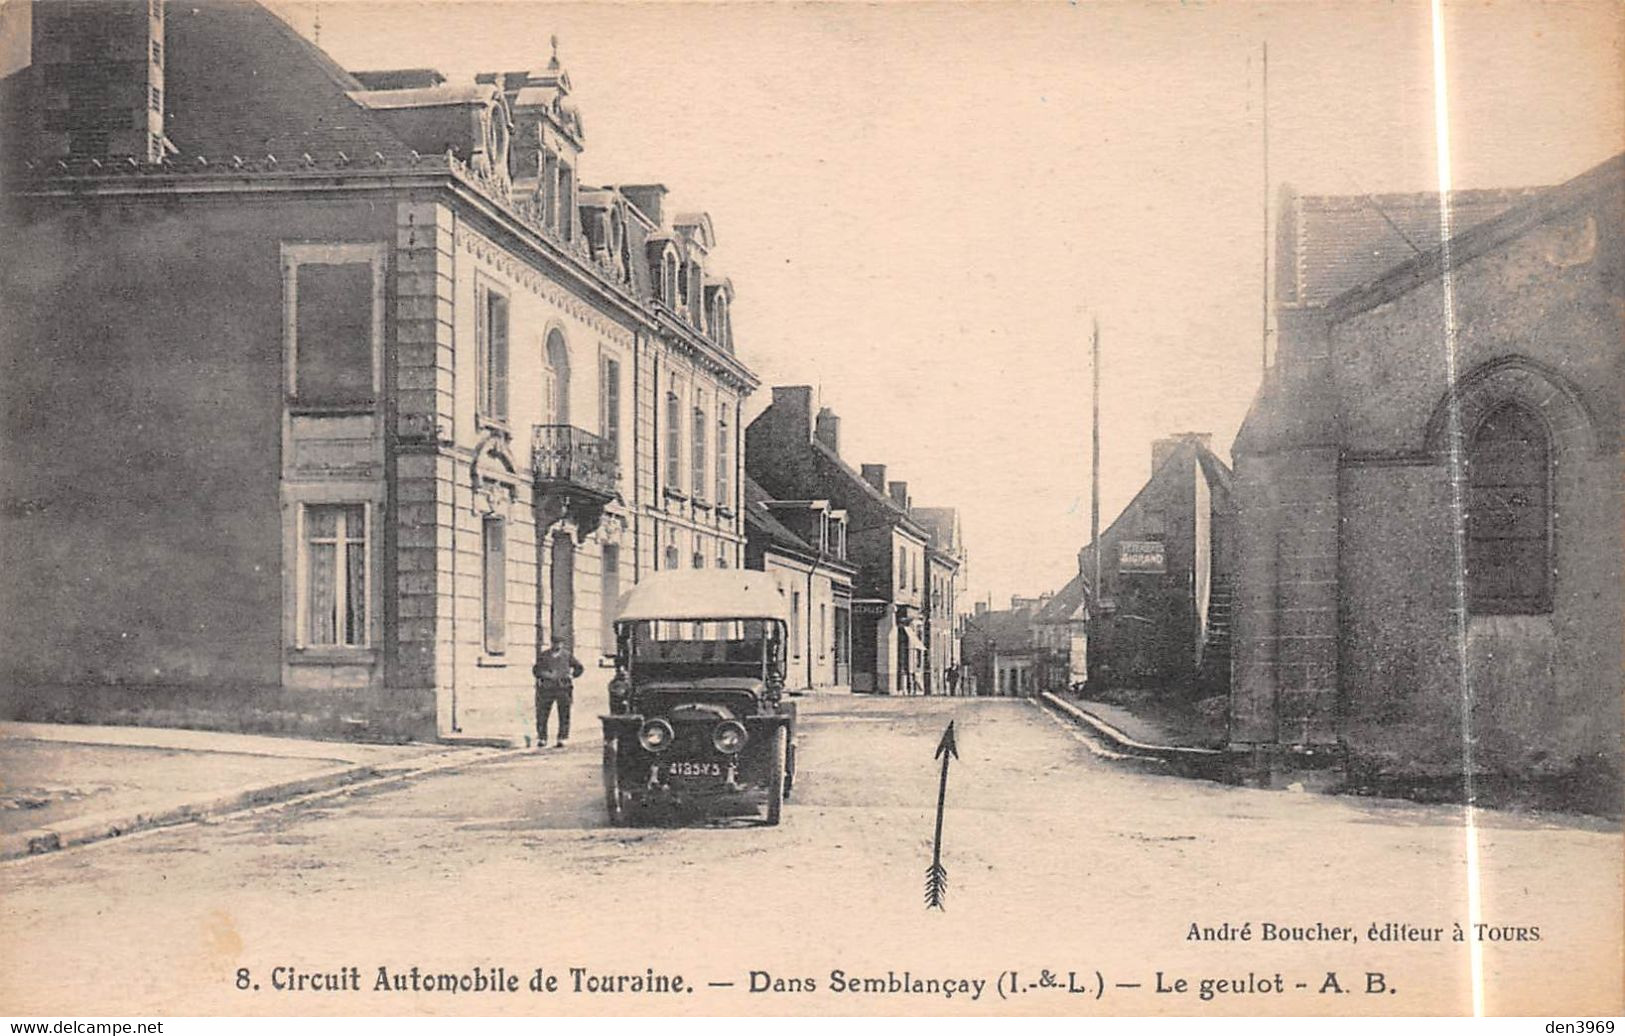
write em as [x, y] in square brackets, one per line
[689, 768]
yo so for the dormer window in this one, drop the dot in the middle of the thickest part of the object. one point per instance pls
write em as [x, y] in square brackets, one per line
[719, 319]
[696, 286]
[617, 240]
[567, 202]
[668, 280]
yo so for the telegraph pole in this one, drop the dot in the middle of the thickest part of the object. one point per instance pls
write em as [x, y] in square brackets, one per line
[1094, 488]
[1265, 108]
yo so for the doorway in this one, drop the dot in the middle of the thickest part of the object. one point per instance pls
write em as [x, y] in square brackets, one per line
[561, 621]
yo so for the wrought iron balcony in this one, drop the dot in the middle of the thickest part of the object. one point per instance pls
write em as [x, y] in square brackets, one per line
[567, 458]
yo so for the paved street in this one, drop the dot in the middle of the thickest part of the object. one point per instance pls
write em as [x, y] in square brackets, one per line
[1057, 860]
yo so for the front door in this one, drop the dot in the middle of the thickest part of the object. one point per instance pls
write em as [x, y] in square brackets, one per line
[561, 624]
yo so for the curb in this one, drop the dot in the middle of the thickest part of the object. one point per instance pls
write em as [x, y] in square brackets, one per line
[86, 830]
[1186, 759]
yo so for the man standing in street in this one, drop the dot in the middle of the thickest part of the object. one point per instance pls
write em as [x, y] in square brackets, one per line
[555, 672]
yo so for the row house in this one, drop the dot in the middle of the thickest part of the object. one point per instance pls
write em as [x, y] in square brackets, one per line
[944, 556]
[383, 397]
[1160, 618]
[1430, 492]
[795, 456]
[1003, 654]
[802, 544]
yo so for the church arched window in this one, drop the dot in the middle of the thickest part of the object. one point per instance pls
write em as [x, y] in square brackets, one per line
[1509, 514]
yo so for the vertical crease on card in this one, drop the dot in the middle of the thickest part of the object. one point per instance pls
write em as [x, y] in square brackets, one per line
[1441, 126]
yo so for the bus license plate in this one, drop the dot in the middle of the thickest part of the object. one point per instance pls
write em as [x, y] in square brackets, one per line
[689, 769]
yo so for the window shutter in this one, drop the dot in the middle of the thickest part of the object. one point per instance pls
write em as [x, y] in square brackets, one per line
[496, 587]
[481, 348]
[499, 357]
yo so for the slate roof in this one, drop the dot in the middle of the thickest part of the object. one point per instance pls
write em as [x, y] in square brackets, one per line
[900, 516]
[241, 81]
[758, 517]
[1331, 243]
[1069, 603]
[1007, 630]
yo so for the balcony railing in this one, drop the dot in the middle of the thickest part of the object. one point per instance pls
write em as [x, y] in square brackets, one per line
[563, 456]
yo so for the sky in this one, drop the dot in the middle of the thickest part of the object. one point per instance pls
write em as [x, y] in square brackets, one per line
[924, 206]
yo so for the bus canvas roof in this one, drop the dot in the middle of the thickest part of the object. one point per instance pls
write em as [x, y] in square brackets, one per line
[703, 593]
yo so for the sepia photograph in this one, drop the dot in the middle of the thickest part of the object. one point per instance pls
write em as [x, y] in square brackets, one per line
[812, 509]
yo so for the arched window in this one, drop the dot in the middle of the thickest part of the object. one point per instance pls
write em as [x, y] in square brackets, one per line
[1509, 514]
[556, 379]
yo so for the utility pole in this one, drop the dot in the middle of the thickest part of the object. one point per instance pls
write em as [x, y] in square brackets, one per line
[1094, 490]
[1266, 120]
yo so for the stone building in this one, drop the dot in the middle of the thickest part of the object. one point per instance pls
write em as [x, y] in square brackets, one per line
[802, 544]
[1002, 650]
[382, 397]
[795, 457]
[944, 555]
[1429, 488]
[1164, 598]
[1062, 631]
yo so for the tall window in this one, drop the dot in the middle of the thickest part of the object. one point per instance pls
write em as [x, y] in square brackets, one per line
[335, 575]
[610, 596]
[495, 590]
[492, 339]
[724, 496]
[556, 379]
[698, 437]
[902, 569]
[668, 280]
[331, 329]
[609, 395]
[567, 201]
[795, 622]
[674, 442]
[1509, 519]
[700, 546]
[823, 630]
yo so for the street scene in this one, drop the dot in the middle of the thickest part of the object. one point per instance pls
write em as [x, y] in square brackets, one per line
[510, 863]
[812, 509]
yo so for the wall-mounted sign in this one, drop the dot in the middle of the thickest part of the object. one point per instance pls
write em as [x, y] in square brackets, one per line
[1141, 556]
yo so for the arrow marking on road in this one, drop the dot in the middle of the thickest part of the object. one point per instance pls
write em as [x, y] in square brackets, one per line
[936, 876]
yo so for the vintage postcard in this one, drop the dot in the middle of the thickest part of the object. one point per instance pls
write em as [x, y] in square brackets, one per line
[767, 509]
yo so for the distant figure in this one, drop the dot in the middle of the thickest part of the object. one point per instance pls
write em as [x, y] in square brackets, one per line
[555, 672]
[952, 676]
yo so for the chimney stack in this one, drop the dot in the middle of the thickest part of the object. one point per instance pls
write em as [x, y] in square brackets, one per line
[102, 65]
[827, 428]
[899, 494]
[794, 406]
[875, 475]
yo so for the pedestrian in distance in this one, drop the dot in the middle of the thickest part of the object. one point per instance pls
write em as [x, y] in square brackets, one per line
[555, 672]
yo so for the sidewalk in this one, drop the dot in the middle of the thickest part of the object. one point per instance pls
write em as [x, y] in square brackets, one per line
[63, 785]
[1133, 736]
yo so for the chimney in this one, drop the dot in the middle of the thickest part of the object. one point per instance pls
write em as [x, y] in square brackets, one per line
[981, 607]
[793, 405]
[875, 475]
[648, 197]
[899, 493]
[828, 430]
[101, 68]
